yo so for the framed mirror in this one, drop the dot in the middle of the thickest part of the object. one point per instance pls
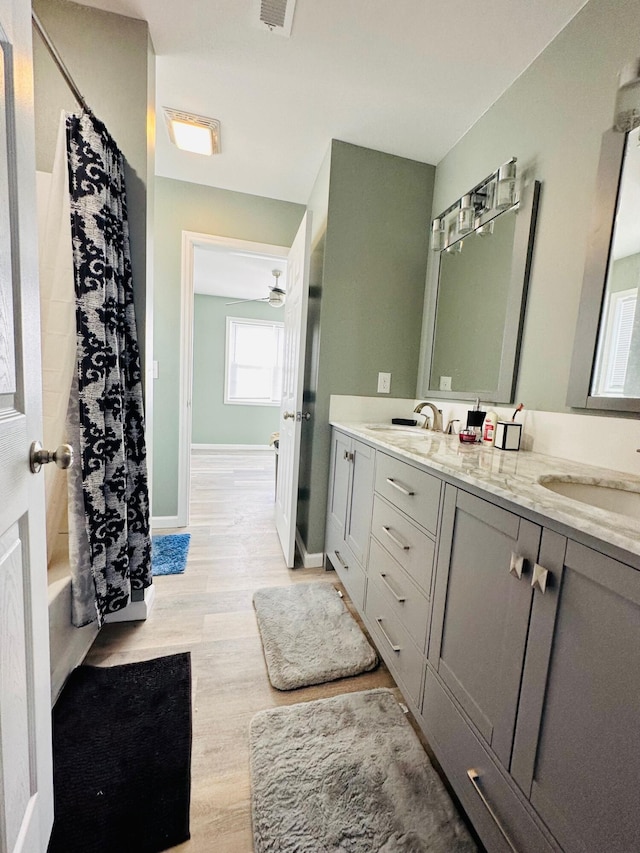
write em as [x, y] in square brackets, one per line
[605, 369]
[475, 311]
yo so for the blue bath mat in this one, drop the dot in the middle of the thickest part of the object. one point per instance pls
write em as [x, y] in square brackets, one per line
[169, 553]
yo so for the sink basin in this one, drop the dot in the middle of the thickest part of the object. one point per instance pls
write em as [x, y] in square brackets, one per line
[605, 495]
[397, 428]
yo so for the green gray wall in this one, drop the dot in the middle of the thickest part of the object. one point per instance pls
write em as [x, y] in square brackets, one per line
[552, 118]
[182, 206]
[369, 314]
[213, 421]
[110, 58]
[625, 274]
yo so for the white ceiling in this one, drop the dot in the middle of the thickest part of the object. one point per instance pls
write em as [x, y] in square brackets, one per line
[408, 77]
[224, 271]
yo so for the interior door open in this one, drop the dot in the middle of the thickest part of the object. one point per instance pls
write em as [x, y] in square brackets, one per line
[26, 780]
[291, 415]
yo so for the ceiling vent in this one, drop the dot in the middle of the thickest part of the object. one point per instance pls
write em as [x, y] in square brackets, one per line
[275, 15]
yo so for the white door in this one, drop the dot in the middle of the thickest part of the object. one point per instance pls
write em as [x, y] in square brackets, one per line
[26, 783]
[295, 332]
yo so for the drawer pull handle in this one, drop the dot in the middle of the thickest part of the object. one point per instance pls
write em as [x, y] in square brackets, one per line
[392, 590]
[400, 488]
[342, 562]
[539, 578]
[474, 776]
[395, 648]
[395, 539]
[516, 567]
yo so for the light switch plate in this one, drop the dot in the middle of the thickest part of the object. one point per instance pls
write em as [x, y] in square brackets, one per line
[445, 383]
[384, 383]
[155, 370]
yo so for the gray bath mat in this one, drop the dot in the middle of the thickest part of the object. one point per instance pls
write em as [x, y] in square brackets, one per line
[347, 774]
[309, 636]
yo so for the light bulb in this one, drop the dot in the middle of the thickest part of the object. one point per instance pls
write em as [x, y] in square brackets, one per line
[506, 186]
[466, 215]
[437, 235]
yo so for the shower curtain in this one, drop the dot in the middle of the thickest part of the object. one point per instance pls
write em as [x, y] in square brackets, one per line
[109, 537]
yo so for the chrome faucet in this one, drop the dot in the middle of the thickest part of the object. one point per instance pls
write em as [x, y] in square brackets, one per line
[437, 416]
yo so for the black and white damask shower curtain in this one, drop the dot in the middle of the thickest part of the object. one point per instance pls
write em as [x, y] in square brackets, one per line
[110, 544]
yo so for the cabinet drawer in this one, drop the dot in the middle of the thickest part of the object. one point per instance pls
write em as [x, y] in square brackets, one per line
[412, 548]
[402, 656]
[347, 567]
[407, 602]
[411, 490]
[459, 751]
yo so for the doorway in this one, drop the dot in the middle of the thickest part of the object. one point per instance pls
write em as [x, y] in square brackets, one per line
[243, 271]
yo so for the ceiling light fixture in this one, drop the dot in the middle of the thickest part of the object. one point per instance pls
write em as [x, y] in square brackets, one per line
[193, 133]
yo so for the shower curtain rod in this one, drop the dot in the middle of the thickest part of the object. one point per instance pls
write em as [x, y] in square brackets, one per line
[58, 61]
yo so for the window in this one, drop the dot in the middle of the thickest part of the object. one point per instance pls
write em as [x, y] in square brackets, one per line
[253, 362]
[614, 356]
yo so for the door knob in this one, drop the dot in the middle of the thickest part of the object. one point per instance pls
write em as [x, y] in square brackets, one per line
[289, 415]
[62, 456]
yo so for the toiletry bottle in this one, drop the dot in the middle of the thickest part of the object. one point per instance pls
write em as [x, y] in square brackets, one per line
[489, 428]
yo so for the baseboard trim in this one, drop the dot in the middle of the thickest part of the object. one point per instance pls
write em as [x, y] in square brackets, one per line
[309, 561]
[135, 611]
[230, 446]
[160, 522]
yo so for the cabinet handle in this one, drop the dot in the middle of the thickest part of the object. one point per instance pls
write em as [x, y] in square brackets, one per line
[516, 567]
[348, 456]
[539, 579]
[341, 561]
[392, 590]
[395, 539]
[395, 648]
[400, 488]
[474, 776]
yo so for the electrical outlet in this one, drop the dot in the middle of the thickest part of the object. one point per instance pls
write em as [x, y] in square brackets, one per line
[384, 383]
[445, 383]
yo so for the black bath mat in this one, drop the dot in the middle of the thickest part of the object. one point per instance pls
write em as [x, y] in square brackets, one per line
[122, 758]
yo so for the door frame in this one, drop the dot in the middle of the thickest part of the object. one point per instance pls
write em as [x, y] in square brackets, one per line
[190, 239]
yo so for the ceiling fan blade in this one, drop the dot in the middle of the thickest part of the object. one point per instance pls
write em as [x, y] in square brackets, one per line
[239, 301]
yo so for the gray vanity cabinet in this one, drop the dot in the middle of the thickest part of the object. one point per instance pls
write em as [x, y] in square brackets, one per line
[576, 752]
[349, 512]
[481, 612]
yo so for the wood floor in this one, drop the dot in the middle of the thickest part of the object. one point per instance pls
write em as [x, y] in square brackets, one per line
[208, 611]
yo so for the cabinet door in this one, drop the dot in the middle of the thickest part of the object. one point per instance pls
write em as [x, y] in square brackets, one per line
[339, 481]
[358, 523]
[481, 612]
[577, 746]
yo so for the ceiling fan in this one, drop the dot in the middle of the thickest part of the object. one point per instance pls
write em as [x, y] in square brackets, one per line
[276, 295]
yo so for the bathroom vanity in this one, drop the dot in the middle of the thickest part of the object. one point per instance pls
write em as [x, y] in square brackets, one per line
[509, 616]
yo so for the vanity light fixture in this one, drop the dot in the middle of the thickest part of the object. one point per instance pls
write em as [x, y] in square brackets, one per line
[476, 209]
[506, 185]
[193, 133]
[437, 235]
[627, 109]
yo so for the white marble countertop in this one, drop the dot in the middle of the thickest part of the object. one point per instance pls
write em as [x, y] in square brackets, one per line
[514, 476]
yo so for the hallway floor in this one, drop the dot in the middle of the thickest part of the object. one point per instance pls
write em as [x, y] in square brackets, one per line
[208, 611]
